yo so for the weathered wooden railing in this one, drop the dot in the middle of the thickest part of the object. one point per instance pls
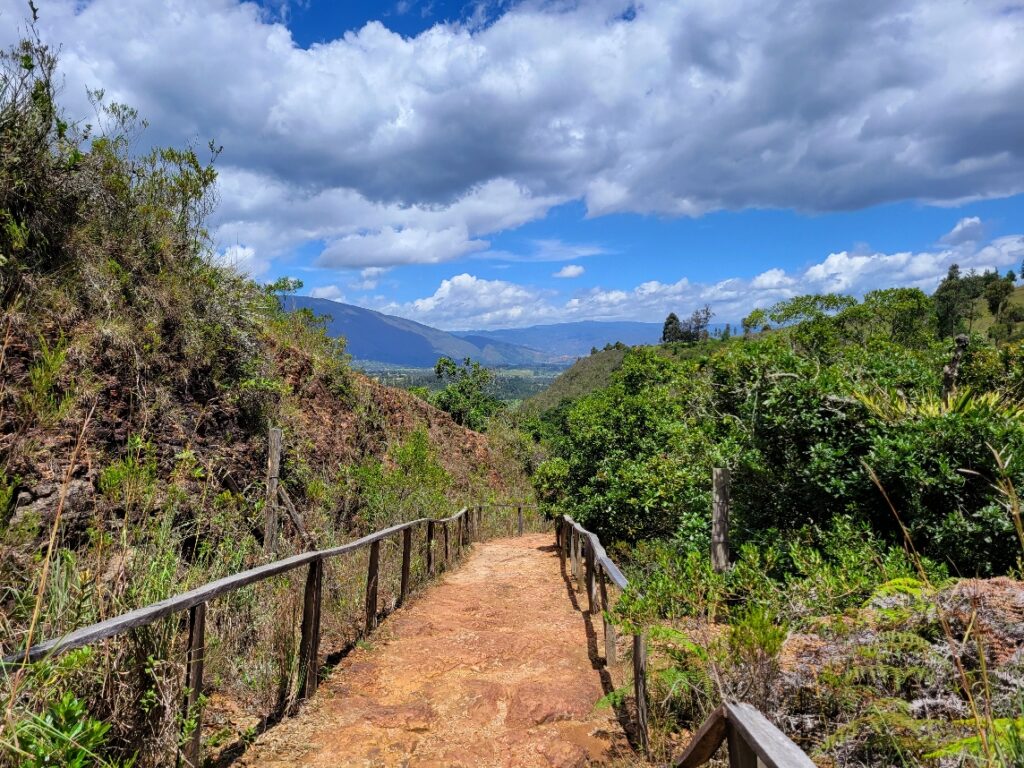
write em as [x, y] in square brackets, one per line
[753, 741]
[455, 532]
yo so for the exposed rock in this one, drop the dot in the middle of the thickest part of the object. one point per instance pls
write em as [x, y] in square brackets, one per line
[76, 514]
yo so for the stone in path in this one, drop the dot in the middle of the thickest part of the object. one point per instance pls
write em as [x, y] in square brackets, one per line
[489, 667]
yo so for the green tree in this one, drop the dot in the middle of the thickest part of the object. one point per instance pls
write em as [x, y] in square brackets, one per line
[949, 303]
[467, 394]
[905, 316]
[672, 330]
[996, 295]
[755, 321]
[696, 328]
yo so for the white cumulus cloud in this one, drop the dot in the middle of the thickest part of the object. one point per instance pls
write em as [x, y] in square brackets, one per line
[331, 292]
[469, 301]
[397, 150]
[967, 230]
[244, 259]
[569, 270]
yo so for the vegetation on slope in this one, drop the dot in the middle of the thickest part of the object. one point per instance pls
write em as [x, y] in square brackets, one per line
[139, 378]
[586, 375]
[863, 478]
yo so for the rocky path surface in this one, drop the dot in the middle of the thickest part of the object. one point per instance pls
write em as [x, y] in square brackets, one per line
[489, 667]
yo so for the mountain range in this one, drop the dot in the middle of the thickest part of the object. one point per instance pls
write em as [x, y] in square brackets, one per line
[376, 337]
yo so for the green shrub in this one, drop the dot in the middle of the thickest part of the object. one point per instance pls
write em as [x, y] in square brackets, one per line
[467, 394]
[63, 735]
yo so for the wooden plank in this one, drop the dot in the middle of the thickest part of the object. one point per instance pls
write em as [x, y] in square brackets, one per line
[581, 565]
[141, 617]
[372, 579]
[740, 753]
[616, 576]
[589, 580]
[297, 521]
[406, 564]
[430, 549]
[610, 652]
[705, 742]
[573, 537]
[720, 519]
[772, 746]
[309, 642]
[560, 529]
[595, 599]
[191, 751]
[270, 501]
[640, 690]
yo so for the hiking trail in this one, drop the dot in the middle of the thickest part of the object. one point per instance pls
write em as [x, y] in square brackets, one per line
[493, 665]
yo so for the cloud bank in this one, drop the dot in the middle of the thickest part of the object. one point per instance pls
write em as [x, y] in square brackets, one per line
[467, 301]
[393, 150]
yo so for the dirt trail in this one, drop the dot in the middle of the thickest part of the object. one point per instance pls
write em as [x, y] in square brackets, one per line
[489, 667]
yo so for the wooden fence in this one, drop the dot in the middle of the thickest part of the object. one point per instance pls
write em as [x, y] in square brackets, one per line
[753, 740]
[445, 538]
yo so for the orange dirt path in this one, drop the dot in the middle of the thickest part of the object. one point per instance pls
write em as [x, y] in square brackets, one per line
[489, 667]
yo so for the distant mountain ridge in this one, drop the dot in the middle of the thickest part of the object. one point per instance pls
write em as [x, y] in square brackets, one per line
[374, 336]
[377, 337]
[567, 341]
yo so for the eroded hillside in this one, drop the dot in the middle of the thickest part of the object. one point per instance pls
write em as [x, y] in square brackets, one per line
[140, 377]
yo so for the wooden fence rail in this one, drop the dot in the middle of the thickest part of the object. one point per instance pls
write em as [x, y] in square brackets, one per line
[753, 741]
[468, 523]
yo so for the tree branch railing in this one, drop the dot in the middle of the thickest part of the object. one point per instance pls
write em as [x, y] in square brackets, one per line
[753, 741]
[456, 532]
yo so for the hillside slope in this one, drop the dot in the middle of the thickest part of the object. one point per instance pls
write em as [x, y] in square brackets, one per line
[983, 319]
[138, 380]
[586, 375]
[374, 336]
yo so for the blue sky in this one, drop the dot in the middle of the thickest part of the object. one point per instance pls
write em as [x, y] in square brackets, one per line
[491, 164]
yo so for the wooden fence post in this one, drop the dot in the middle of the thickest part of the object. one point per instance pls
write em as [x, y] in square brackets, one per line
[720, 519]
[309, 643]
[406, 564]
[640, 689]
[582, 551]
[430, 549]
[372, 578]
[560, 542]
[595, 600]
[273, 475]
[610, 652]
[444, 527]
[740, 753]
[590, 579]
[190, 753]
[519, 515]
[573, 551]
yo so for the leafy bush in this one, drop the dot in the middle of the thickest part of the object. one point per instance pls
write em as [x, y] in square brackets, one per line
[64, 735]
[815, 420]
[408, 486]
[466, 396]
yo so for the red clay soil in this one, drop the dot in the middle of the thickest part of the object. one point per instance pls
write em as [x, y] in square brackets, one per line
[490, 667]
